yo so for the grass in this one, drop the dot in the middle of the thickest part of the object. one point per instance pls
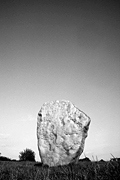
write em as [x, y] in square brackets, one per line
[82, 171]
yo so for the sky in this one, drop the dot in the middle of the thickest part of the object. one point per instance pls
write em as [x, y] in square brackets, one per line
[53, 50]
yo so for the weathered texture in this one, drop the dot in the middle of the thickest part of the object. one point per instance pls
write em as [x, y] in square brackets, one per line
[61, 132]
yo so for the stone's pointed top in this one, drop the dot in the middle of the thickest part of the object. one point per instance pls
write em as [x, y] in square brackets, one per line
[57, 102]
[61, 131]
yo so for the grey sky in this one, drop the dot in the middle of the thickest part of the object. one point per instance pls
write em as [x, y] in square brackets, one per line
[59, 50]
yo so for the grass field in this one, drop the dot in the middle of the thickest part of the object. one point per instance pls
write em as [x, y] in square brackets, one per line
[10, 170]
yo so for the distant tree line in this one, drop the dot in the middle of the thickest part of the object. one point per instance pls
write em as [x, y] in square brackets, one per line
[25, 155]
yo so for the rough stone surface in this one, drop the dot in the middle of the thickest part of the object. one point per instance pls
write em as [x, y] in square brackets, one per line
[61, 132]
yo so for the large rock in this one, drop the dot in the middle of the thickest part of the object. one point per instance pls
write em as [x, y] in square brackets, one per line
[61, 132]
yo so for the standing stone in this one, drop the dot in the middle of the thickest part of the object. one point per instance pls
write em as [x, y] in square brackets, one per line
[61, 132]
